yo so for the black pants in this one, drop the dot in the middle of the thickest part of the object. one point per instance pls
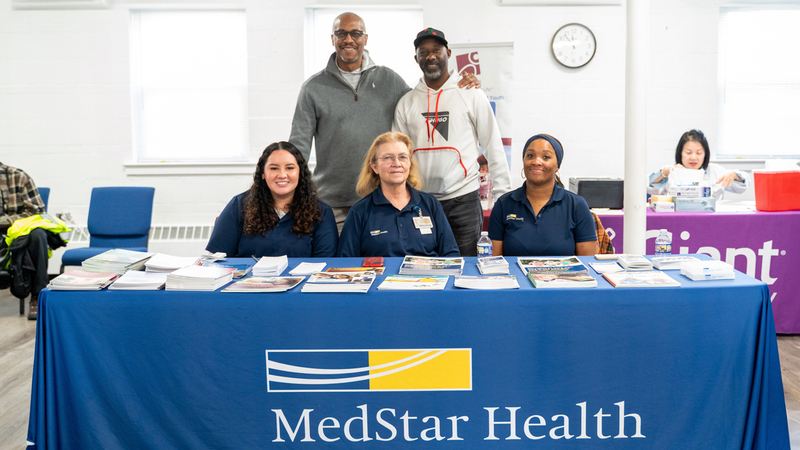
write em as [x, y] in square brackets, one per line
[37, 249]
[465, 216]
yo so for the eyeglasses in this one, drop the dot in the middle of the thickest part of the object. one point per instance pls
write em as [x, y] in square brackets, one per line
[342, 34]
[391, 158]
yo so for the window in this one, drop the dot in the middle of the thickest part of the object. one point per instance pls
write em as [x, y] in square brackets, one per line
[759, 82]
[189, 86]
[391, 33]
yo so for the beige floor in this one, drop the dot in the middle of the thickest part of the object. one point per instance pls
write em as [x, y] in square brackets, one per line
[17, 335]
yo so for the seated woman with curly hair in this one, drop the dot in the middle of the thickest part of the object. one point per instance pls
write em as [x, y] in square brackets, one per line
[280, 213]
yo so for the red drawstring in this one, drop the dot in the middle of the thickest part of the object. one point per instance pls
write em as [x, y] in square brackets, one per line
[435, 116]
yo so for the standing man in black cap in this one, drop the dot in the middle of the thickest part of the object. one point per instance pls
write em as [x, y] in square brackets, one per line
[343, 108]
[447, 124]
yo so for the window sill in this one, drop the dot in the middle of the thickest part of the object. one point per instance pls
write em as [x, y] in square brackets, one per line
[209, 168]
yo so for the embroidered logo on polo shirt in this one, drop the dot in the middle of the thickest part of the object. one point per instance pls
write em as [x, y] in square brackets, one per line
[514, 217]
[431, 369]
[377, 232]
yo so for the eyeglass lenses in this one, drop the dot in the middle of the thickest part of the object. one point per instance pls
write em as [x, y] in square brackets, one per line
[355, 34]
[392, 158]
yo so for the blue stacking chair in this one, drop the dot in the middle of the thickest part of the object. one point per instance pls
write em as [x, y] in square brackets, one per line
[119, 217]
[45, 194]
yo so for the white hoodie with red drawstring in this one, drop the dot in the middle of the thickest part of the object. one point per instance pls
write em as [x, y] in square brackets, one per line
[446, 127]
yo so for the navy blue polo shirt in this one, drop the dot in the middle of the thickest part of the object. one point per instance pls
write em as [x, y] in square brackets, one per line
[228, 235]
[564, 221]
[374, 227]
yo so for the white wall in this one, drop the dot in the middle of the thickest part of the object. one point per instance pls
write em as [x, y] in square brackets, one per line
[65, 102]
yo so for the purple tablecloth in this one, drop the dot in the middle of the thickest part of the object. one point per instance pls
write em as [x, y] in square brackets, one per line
[764, 245]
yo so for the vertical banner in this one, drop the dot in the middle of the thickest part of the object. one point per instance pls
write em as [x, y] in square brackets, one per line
[492, 63]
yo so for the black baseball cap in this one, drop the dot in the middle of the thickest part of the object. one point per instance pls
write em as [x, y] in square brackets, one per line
[430, 33]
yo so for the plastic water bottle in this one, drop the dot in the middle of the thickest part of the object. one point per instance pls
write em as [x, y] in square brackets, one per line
[663, 244]
[484, 245]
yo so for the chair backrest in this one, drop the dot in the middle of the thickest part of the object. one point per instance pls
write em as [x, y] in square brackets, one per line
[44, 192]
[120, 216]
[603, 239]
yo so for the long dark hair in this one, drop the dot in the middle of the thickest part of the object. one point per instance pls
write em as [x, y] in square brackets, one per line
[693, 135]
[259, 207]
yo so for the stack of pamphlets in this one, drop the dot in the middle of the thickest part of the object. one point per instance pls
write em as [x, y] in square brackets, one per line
[672, 262]
[493, 265]
[650, 278]
[414, 282]
[270, 266]
[357, 282]
[634, 262]
[116, 260]
[82, 280]
[264, 284]
[307, 268]
[199, 278]
[162, 263]
[707, 270]
[562, 280]
[540, 264]
[140, 281]
[606, 267]
[490, 282]
[423, 265]
[377, 270]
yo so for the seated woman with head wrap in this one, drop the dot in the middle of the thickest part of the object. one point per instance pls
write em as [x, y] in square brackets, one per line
[394, 218]
[541, 218]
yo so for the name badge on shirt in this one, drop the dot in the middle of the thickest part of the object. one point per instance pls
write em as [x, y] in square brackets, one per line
[423, 224]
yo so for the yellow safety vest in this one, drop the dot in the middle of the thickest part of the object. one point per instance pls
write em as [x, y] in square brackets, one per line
[22, 227]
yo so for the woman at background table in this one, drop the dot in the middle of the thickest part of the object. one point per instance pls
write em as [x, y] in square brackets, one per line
[541, 218]
[693, 153]
[280, 213]
[393, 218]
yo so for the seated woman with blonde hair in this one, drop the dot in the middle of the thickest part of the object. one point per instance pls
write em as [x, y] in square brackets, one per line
[394, 218]
[541, 218]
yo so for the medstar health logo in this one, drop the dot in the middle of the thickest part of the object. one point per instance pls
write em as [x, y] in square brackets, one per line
[440, 121]
[369, 370]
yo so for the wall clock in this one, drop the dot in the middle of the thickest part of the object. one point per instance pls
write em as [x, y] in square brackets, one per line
[574, 45]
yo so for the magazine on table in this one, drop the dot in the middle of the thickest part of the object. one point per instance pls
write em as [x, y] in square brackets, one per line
[264, 284]
[82, 280]
[424, 265]
[537, 264]
[358, 282]
[649, 278]
[562, 280]
[414, 282]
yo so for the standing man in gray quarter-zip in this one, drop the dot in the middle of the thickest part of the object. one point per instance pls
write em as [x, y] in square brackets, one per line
[344, 108]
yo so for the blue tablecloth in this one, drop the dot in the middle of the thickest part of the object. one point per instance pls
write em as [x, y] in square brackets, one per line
[639, 368]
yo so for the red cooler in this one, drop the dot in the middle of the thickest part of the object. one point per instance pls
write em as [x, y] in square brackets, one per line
[777, 190]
